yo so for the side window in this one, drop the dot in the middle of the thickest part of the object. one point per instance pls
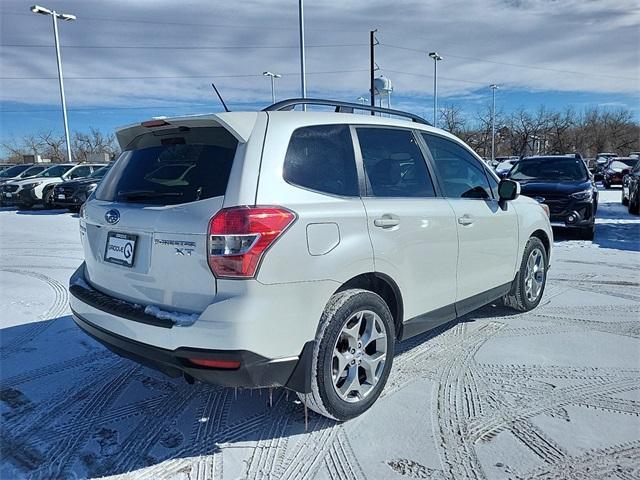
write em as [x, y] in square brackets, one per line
[493, 183]
[80, 172]
[394, 164]
[321, 158]
[461, 173]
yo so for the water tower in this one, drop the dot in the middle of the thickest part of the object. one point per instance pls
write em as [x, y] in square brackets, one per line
[383, 88]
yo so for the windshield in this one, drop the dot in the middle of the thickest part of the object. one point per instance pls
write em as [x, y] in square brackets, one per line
[13, 171]
[56, 171]
[100, 172]
[550, 169]
[33, 171]
[622, 163]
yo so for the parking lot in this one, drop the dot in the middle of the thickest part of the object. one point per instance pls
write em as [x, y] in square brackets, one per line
[553, 393]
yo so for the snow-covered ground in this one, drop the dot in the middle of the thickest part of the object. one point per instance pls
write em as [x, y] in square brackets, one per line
[554, 393]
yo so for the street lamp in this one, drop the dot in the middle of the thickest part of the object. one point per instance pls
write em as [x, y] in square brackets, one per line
[493, 88]
[66, 17]
[273, 86]
[436, 58]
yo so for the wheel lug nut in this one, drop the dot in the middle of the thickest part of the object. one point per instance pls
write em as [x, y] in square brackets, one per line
[353, 362]
[353, 350]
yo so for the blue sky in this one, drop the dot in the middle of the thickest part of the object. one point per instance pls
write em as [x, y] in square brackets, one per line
[126, 62]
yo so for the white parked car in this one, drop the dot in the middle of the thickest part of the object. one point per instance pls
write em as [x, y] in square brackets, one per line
[290, 248]
[39, 190]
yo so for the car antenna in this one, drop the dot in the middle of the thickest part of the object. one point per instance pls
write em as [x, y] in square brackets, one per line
[220, 97]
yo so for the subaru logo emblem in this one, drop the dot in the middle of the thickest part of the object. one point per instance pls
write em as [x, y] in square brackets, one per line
[112, 216]
[539, 199]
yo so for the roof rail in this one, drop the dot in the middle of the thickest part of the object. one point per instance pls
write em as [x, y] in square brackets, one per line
[345, 107]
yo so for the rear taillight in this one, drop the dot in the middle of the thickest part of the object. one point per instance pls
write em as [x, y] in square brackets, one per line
[239, 237]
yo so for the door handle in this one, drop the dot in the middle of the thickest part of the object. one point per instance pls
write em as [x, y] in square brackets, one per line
[465, 220]
[386, 222]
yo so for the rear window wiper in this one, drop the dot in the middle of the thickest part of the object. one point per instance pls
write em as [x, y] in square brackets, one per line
[131, 195]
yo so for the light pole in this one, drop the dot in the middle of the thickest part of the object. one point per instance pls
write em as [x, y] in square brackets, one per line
[303, 73]
[436, 58]
[273, 86]
[66, 17]
[493, 88]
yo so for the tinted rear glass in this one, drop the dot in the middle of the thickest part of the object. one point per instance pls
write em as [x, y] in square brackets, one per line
[168, 168]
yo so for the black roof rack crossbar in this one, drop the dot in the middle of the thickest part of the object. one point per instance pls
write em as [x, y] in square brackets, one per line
[344, 107]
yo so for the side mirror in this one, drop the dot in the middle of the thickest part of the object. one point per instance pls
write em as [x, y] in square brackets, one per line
[508, 190]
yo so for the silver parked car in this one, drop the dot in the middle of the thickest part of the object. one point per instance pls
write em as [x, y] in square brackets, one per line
[293, 248]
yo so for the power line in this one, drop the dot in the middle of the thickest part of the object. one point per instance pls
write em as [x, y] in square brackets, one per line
[183, 47]
[519, 65]
[440, 77]
[187, 24]
[173, 77]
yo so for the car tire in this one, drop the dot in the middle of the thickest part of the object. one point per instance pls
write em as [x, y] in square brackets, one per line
[24, 206]
[634, 204]
[625, 200]
[338, 336]
[528, 281]
[47, 199]
[606, 185]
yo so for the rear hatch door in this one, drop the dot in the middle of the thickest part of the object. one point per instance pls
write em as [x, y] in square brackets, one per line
[145, 230]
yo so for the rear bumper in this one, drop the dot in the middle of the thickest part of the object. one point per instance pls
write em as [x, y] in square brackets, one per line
[255, 371]
[270, 351]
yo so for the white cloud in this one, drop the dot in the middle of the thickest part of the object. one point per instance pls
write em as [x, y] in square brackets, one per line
[599, 39]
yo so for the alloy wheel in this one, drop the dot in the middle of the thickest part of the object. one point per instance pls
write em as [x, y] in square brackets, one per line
[534, 275]
[359, 356]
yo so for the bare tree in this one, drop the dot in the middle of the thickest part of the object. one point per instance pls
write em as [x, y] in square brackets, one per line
[54, 146]
[93, 142]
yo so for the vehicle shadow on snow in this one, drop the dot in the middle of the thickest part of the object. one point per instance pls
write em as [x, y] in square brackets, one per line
[71, 408]
[54, 211]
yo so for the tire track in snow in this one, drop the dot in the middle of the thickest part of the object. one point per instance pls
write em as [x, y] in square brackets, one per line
[57, 308]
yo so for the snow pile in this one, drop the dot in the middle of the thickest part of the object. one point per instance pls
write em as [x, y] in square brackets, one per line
[178, 319]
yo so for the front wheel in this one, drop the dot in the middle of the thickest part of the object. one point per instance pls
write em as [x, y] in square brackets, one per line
[528, 286]
[47, 199]
[634, 203]
[352, 356]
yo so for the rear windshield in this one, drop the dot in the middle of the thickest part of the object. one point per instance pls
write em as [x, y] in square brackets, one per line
[171, 167]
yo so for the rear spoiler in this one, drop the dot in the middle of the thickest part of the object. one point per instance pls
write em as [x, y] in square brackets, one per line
[239, 124]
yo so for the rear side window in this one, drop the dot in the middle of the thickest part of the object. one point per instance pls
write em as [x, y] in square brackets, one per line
[171, 167]
[321, 158]
[394, 163]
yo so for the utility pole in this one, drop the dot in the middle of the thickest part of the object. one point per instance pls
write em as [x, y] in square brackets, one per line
[493, 87]
[66, 17]
[303, 73]
[372, 67]
[436, 58]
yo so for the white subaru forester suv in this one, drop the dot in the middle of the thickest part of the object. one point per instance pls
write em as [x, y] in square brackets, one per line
[294, 248]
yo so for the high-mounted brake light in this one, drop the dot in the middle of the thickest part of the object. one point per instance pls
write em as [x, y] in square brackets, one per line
[154, 123]
[239, 237]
